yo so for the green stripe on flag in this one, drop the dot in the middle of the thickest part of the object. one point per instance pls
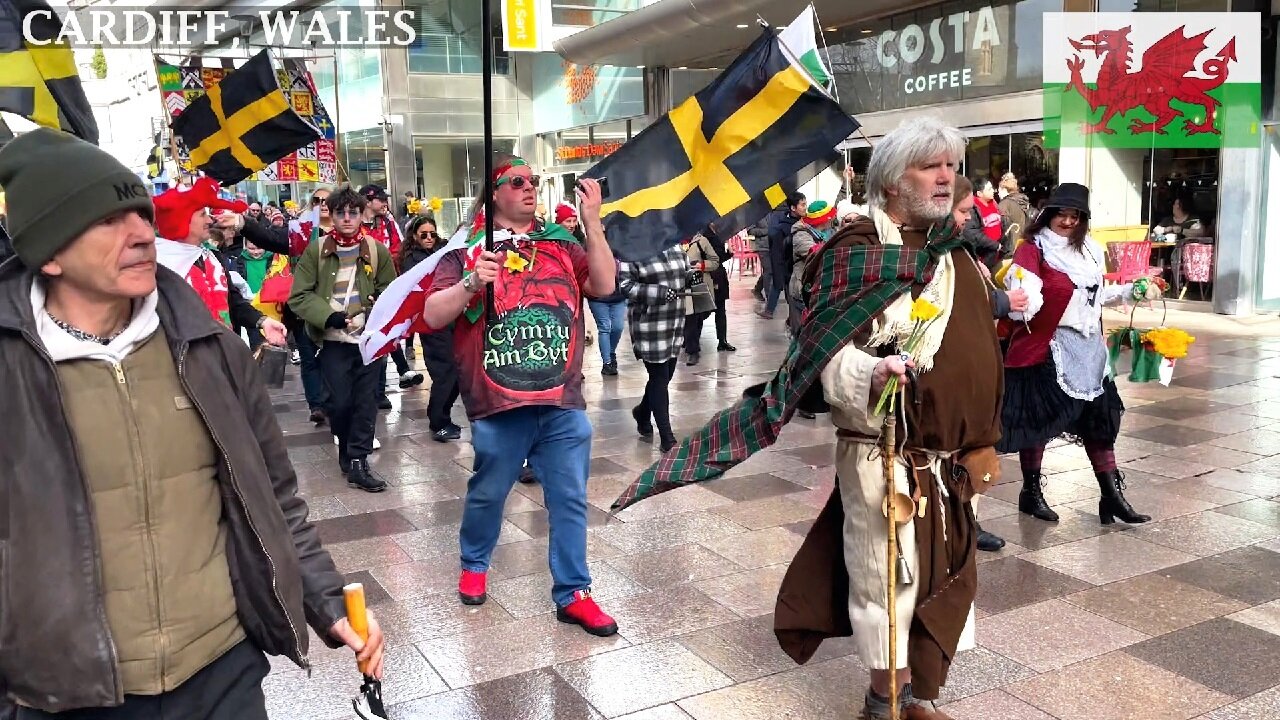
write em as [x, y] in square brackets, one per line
[1238, 120]
[813, 63]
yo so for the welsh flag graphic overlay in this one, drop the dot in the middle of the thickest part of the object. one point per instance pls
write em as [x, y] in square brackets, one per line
[1152, 80]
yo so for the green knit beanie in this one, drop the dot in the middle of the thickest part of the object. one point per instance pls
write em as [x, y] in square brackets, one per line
[58, 186]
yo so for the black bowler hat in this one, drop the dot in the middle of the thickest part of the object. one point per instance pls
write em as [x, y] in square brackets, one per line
[1072, 196]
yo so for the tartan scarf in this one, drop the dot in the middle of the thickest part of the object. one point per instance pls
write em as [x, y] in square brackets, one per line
[853, 285]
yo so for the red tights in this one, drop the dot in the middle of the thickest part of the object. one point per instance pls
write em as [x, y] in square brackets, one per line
[1101, 456]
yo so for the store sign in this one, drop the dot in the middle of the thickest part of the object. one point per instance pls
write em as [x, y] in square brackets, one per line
[945, 42]
[589, 151]
[936, 55]
[567, 95]
[520, 25]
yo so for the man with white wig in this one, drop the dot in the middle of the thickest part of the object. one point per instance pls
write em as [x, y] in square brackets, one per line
[948, 421]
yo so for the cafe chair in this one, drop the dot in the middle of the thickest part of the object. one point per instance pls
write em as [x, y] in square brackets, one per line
[1130, 261]
[746, 259]
[1197, 265]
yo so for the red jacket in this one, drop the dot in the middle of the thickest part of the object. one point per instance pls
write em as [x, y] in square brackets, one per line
[384, 229]
[992, 222]
[1032, 348]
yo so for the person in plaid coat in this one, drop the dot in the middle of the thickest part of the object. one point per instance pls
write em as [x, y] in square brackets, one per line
[656, 314]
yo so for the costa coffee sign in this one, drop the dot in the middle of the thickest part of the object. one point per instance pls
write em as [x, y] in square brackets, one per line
[942, 54]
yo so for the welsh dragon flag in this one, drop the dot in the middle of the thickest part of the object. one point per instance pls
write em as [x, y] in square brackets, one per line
[397, 314]
[1152, 80]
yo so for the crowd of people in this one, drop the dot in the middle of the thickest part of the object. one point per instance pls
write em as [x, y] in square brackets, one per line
[159, 470]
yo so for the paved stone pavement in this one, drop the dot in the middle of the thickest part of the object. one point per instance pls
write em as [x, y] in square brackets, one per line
[1179, 618]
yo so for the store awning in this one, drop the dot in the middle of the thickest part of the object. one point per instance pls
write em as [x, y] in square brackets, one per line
[703, 33]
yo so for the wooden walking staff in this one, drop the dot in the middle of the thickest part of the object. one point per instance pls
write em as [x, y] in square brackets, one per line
[891, 506]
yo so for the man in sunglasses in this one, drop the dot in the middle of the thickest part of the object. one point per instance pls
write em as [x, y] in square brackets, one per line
[335, 284]
[521, 375]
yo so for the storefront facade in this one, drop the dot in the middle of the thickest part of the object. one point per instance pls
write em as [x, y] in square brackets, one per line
[581, 115]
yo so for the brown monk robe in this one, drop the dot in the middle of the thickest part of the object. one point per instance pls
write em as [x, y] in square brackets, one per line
[958, 412]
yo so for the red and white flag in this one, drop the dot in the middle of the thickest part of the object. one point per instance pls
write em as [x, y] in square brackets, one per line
[397, 313]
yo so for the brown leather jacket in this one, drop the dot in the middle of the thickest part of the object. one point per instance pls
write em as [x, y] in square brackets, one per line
[56, 650]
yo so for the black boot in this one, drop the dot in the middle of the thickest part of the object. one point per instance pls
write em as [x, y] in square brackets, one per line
[1031, 499]
[362, 478]
[344, 461]
[643, 426]
[1113, 504]
[989, 542]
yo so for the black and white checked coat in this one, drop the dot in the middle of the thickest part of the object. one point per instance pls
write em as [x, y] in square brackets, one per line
[657, 326]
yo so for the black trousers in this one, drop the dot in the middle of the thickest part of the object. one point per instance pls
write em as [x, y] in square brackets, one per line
[229, 688]
[353, 400]
[657, 398]
[437, 353]
[312, 381]
[693, 329]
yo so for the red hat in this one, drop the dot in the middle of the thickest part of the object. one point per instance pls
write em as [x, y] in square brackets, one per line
[565, 211]
[175, 207]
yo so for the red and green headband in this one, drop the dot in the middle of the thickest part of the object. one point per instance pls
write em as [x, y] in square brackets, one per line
[504, 168]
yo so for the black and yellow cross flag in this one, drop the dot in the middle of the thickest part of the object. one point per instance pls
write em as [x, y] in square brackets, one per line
[773, 197]
[40, 81]
[763, 120]
[242, 124]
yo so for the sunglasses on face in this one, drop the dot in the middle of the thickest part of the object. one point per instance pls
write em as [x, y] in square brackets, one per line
[348, 212]
[316, 199]
[519, 181]
[427, 235]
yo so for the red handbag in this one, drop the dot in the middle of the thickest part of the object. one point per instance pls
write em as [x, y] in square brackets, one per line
[277, 288]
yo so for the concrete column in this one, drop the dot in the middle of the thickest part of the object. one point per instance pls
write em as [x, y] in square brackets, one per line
[402, 168]
[1239, 227]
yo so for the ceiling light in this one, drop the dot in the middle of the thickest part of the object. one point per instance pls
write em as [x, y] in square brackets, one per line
[743, 25]
[830, 29]
[866, 31]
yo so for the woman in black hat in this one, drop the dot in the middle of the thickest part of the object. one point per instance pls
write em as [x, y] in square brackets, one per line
[1057, 382]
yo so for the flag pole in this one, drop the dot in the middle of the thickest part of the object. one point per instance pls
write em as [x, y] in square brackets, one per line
[486, 25]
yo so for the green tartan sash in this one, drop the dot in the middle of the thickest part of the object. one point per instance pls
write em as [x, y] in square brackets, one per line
[854, 285]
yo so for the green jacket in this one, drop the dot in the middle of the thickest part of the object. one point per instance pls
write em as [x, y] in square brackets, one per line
[317, 271]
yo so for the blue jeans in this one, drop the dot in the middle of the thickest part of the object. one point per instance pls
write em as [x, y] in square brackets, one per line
[557, 443]
[610, 319]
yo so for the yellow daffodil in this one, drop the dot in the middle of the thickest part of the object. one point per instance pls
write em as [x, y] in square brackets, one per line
[515, 262]
[1018, 273]
[923, 311]
[1171, 343]
[435, 204]
[415, 206]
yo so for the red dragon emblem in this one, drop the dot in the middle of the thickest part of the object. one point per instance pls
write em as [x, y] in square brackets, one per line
[1164, 77]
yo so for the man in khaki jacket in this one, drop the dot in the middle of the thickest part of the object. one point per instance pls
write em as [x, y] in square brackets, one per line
[153, 548]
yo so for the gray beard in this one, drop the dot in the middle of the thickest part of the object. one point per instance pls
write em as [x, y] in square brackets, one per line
[921, 209]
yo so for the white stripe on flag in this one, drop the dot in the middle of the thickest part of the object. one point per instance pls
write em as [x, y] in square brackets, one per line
[404, 298]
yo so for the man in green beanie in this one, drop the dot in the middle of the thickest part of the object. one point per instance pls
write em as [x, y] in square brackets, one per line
[143, 470]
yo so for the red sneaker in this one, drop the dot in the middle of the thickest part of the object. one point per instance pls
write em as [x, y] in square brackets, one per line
[584, 611]
[471, 588]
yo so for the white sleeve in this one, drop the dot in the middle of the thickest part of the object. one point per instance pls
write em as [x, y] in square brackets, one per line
[846, 383]
[1032, 284]
[1112, 294]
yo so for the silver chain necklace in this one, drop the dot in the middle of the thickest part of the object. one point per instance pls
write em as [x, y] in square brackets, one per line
[79, 334]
